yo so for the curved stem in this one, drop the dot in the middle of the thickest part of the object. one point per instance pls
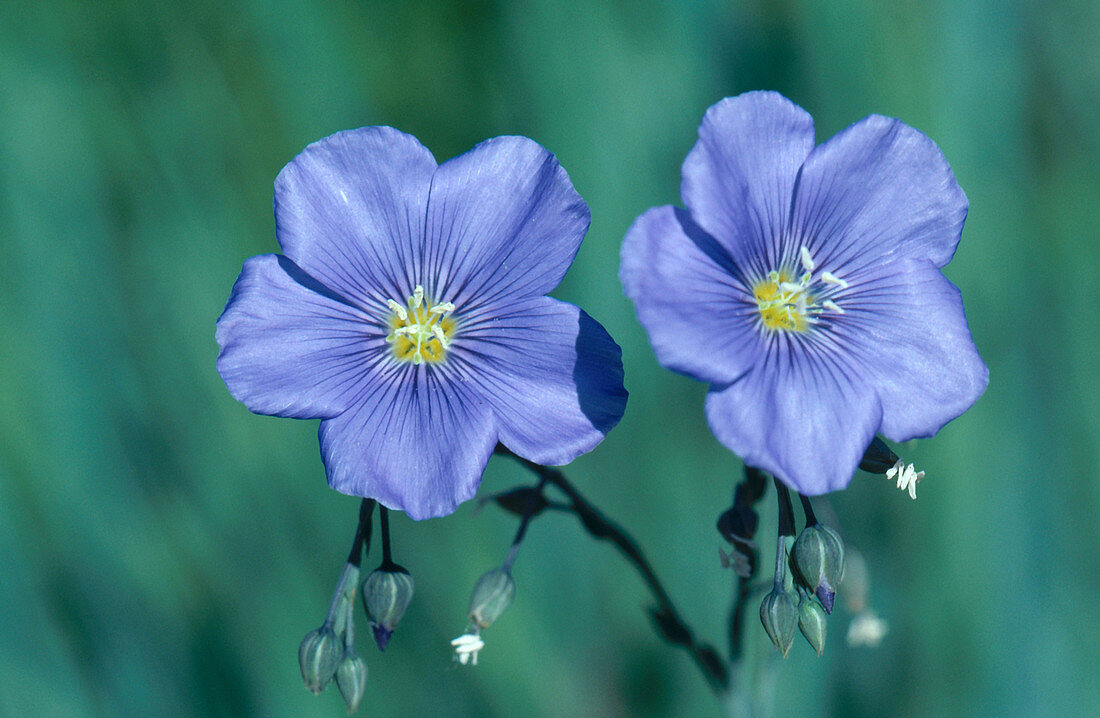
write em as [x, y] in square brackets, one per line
[748, 492]
[666, 617]
[529, 512]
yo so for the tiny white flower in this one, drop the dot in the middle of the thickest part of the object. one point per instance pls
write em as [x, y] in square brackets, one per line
[867, 629]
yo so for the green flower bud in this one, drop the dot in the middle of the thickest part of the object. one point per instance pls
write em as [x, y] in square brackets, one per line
[780, 618]
[318, 655]
[492, 594]
[386, 595]
[818, 562]
[811, 621]
[351, 679]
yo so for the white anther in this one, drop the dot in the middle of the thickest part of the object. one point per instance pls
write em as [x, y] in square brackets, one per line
[397, 309]
[832, 306]
[418, 296]
[914, 477]
[442, 308]
[466, 648]
[408, 331]
[437, 332]
[907, 477]
[790, 287]
[807, 259]
[830, 278]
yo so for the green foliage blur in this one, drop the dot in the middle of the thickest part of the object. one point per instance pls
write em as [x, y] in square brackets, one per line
[162, 550]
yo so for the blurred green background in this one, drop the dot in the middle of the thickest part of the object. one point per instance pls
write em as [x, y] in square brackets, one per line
[163, 550]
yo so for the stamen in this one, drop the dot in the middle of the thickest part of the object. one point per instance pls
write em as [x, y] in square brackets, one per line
[466, 648]
[807, 259]
[792, 302]
[397, 309]
[908, 477]
[420, 331]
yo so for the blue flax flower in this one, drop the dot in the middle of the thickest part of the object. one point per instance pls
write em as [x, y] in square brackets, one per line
[803, 283]
[408, 313]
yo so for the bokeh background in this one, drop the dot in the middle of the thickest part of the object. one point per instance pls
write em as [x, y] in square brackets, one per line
[163, 550]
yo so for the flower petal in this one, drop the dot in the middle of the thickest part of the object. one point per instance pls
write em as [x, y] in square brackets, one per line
[739, 177]
[909, 328]
[552, 375]
[350, 209]
[289, 346]
[803, 417]
[689, 296]
[877, 192]
[414, 441]
[503, 220]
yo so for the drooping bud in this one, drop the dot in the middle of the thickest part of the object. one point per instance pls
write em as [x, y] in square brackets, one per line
[386, 596]
[780, 618]
[738, 524]
[519, 501]
[351, 679]
[878, 458]
[318, 655]
[811, 621]
[492, 594]
[818, 562]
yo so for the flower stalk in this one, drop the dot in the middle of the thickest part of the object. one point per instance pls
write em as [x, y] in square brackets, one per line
[666, 617]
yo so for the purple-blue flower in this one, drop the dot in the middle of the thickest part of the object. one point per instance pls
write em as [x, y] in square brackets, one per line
[408, 313]
[803, 284]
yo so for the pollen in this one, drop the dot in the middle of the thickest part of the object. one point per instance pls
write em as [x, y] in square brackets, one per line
[792, 302]
[420, 330]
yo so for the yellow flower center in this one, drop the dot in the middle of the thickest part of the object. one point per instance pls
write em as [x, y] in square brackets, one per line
[420, 331]
[783, 304]
[791, 304]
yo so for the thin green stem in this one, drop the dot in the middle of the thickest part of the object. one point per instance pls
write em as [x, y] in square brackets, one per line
[745, 496]
[362, 532]
[786, 509]
[808, 510]
[666, 617]
[384, 527]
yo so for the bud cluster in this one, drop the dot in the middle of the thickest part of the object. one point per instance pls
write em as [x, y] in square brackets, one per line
[327, 654]
[807, 574]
